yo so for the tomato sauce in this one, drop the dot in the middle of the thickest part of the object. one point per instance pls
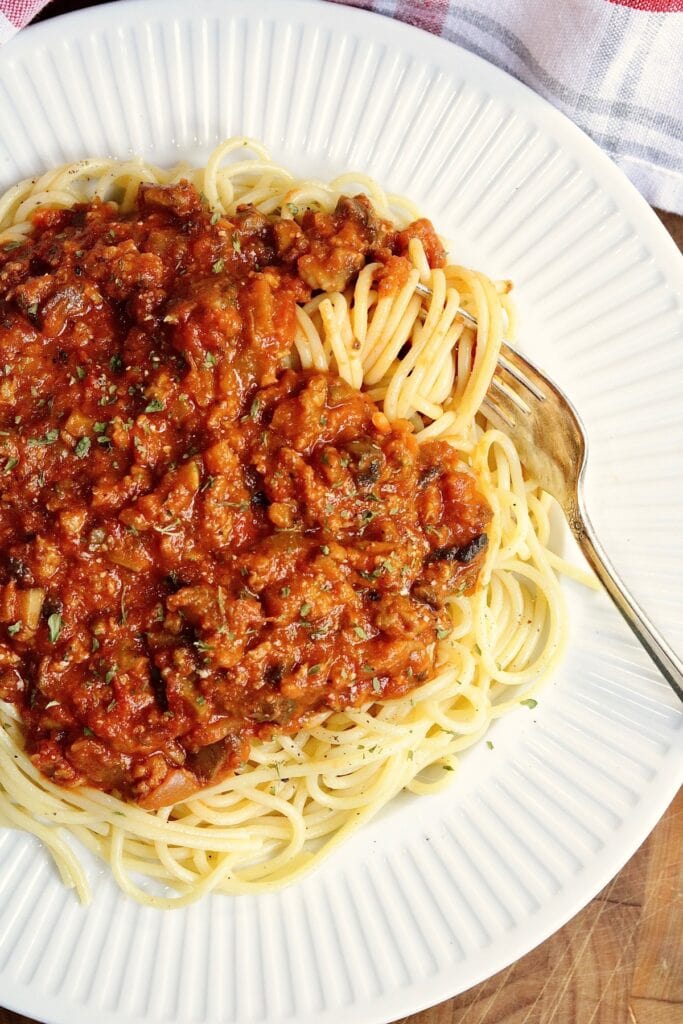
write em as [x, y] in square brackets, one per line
[199, 545]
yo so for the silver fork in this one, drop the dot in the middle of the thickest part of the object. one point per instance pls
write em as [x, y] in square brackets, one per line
[552, 444]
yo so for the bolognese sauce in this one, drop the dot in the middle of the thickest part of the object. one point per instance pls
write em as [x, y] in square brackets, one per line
[201, 545]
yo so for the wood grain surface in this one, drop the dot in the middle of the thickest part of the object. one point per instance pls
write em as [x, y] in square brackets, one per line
[619, 961]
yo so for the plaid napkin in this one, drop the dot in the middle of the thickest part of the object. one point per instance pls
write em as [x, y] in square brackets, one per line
[614, 66]
[14, 14]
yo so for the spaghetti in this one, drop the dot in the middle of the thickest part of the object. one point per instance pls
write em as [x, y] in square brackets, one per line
[297, 796]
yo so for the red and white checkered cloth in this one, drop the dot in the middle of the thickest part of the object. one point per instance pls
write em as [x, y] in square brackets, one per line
[614, 66]
[14, 14]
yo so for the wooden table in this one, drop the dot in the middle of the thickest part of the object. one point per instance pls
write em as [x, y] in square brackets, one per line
[619, 961]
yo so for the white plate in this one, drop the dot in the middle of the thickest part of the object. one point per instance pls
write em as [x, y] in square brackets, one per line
[442, 891]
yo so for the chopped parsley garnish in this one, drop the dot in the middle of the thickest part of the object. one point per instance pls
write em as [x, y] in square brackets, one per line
[443, 633]
[376, 685]
[241, 505]
[215, 217]
[110, 673]
[82, 447]
[304, 610]
[236, 244]
[80, 372]
[218, 266]
[10, 464]
[529, 702]
[360, 633]
[210, 360]
[284, 592]
[14, 628]
[49, 437]
[156, 405]
[87, 731]
[314, 669]
[116, 363]
[54, 627]
[489, 744]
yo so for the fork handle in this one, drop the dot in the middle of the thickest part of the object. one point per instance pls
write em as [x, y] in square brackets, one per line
[666, 660]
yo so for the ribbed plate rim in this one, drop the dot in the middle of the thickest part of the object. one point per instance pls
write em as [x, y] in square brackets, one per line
[668, 260]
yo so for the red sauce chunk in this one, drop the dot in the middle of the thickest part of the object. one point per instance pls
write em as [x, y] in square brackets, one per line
[199, 546]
